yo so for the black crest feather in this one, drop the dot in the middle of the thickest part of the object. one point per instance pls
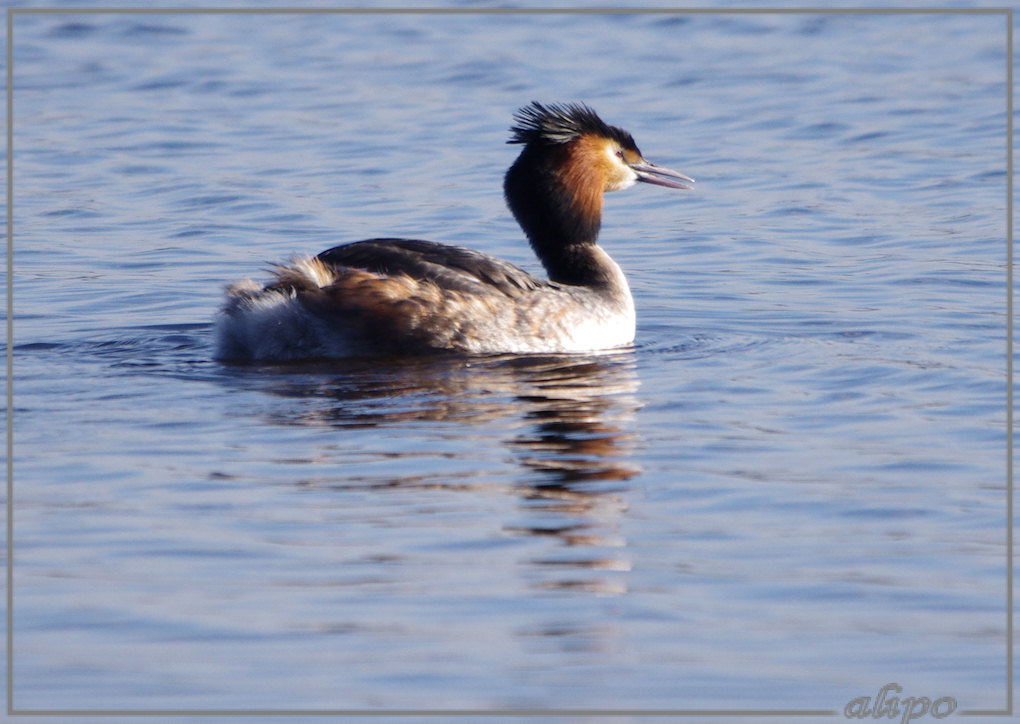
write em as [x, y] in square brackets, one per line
[562, 123]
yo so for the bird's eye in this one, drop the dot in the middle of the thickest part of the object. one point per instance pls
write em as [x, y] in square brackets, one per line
[619, 153]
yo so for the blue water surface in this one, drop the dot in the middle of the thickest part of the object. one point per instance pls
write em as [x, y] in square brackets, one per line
[791, 492]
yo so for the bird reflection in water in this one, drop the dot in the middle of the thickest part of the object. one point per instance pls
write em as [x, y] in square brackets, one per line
[578, 453]
[567, 420]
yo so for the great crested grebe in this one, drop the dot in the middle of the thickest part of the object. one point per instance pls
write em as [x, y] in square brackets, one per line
[404, 296]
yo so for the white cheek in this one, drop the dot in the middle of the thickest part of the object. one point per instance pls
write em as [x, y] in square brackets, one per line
[628, 180]
[624, 176]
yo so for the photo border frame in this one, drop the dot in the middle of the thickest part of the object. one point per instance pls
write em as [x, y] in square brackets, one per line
[1005, 12]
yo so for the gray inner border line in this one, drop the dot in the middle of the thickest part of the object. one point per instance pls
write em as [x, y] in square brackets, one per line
[510, 11]
[11, 12]
[10, 356]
